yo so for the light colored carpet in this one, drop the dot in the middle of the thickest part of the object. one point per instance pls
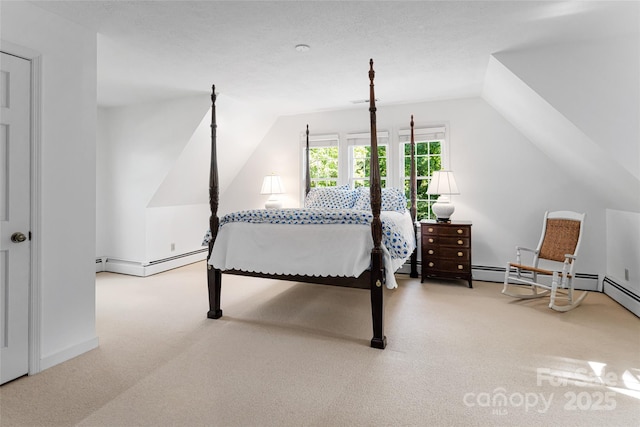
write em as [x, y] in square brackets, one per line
[288, 354]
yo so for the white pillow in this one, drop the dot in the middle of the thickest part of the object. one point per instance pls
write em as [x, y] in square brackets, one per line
[363, 200]
[330, 197]
[393, 199]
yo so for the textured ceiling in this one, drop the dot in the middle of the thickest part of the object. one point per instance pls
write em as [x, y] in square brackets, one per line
[152, 50]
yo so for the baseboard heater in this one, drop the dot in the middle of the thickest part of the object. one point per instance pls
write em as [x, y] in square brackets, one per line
[623, 296]
[486, 273]
[135, 268]
[199, 251]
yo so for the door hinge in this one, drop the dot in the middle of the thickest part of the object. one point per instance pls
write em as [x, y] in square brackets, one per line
[29, 236]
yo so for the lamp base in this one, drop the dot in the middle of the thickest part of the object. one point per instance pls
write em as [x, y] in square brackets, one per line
[273, 204]
[443, 209]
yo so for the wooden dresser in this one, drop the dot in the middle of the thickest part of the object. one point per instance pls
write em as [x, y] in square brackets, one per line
[446, 250]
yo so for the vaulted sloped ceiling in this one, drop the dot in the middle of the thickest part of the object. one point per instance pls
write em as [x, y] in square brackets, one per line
[595, 85]
[186, 182]
[426, 50]
[604, 153]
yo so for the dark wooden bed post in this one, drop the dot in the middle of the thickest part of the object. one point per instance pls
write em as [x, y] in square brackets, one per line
[377, 266]
[413, 191]
[214, 276]
[376, 275]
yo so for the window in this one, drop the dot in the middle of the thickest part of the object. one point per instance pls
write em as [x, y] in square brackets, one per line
[323, 160]
[360, 158]
[334, 162]
[429, 144]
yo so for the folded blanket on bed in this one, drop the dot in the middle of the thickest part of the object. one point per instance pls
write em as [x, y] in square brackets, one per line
[397, 243]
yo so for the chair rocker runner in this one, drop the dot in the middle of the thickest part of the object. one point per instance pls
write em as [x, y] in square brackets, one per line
[555, 256]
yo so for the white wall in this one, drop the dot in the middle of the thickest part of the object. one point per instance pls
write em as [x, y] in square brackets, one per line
[623, 235]
[570, 148]
[153, 176]
[103, 171]
[580, 103]
[506, 182]
[175, 230]
[140, 145]
[595, 85]
[67, 176]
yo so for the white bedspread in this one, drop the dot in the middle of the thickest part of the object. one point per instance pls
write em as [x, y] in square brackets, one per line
[309, 249]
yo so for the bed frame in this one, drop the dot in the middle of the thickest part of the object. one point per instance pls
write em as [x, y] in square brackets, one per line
[372, 279]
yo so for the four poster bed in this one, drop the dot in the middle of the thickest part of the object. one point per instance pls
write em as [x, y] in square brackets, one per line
[345, 237]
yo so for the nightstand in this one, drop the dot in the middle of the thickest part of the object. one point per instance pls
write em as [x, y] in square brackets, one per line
[446, 250]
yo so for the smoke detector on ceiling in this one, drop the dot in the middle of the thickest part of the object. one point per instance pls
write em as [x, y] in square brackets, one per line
[302, 47]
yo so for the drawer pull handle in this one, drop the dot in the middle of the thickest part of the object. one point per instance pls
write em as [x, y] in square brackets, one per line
[430, 240]
[460, 267]
[430, 251]
[460, 242]
[459, 231]
[430, 230]
[460, 254]
[430, 264]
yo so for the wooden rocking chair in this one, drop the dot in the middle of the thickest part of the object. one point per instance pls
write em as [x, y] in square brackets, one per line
[555, 256]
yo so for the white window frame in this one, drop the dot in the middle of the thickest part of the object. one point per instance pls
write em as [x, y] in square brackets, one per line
[423, 134]
[317, 141]
[364, 139]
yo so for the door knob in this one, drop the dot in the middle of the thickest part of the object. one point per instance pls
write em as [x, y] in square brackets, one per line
[18, 237]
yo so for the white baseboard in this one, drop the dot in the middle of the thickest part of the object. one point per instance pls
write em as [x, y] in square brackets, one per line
[584, 282]
[67, 354]
[100, 264]
[139, 269]
[483, 273]
[623, 296]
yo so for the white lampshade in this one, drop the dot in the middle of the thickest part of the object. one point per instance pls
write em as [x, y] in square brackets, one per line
[272, 185]
[444, 184]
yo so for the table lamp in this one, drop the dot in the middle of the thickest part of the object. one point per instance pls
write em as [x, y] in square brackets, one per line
[444, 184]
[272, 185]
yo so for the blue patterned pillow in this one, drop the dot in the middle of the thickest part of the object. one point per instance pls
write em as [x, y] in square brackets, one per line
[393, 199]
[330, 197]
[363, 199]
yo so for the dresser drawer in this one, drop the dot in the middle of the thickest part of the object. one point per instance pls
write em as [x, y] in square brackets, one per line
[449, 265]
[461, 254]
[429, 230]
[462, 242]
[434, 230]
[455, 231]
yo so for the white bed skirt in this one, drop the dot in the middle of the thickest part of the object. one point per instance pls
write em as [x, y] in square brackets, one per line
[311, 250]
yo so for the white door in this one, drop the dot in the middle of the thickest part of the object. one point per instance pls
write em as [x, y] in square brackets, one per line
[15, 247]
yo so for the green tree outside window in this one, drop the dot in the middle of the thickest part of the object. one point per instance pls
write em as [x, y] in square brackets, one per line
[323, 166]
[428, 157]
[361, 165]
